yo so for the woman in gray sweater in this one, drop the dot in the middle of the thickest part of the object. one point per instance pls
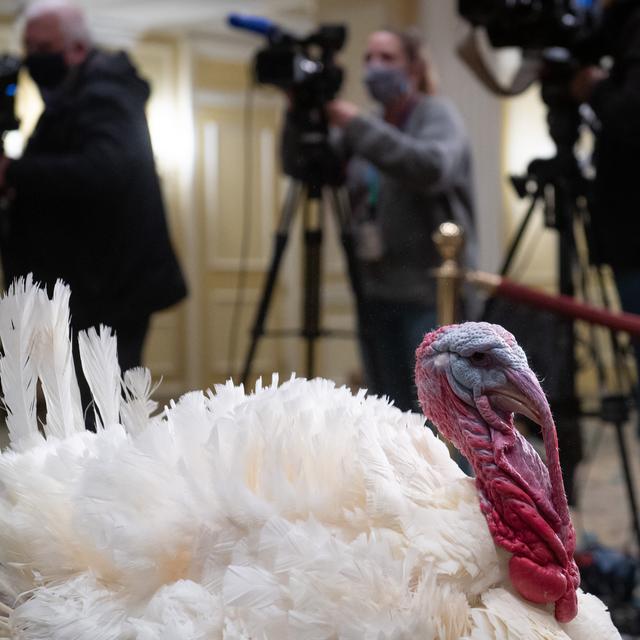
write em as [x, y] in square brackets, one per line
[409, 170]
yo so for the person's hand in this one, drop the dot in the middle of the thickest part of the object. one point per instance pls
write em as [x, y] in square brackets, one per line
[585, 81]
[340, 112]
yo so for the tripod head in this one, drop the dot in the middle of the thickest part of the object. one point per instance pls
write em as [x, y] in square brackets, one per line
[307, 153]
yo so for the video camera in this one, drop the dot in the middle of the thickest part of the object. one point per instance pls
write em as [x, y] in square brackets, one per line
[534, 24]
[305, 68]
[557, 37]
[562, 34]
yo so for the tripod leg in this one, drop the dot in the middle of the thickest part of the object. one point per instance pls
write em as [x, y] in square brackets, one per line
[280, 242]
[631, 495]
[615, 410]
[341, 209]
[511, 251]
[515, 243]
[313, 218]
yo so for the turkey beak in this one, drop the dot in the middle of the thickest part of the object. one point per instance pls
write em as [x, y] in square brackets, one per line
[522, 394]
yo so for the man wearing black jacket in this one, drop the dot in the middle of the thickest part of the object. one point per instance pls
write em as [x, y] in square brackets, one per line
[86, 205]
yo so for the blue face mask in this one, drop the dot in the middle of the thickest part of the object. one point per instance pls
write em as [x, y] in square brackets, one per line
[386, 84]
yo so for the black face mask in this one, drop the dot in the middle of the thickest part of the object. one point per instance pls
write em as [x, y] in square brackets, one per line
[48, 70]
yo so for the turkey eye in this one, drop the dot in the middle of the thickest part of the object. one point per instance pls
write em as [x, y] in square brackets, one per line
[479, 357]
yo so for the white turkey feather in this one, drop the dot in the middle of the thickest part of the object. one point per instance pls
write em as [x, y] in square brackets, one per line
[299, 511]
[593, 623]
[18, 369]
[80, 607]
[137, 405]
[503, 616]
[55, 367]
[183, 609]
[99, 357]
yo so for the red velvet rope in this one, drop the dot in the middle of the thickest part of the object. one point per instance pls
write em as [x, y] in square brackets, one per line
[567, 306]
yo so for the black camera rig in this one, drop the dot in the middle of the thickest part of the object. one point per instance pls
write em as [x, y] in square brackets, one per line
[562, 34]
[290, 64]
[533, 24]
[304, 68]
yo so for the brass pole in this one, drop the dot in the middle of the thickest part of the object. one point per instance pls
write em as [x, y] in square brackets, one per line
[449, 240]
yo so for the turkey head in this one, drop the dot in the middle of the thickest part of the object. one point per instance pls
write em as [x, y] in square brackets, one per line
[471, 378]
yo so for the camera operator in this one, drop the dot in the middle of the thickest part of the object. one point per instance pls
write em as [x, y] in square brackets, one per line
[409, 170]
[615, 99]
[86, 203]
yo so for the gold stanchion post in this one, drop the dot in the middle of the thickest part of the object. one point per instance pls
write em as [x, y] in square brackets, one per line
[449, 240]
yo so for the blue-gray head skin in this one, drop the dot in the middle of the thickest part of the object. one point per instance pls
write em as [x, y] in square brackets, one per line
[471, 378]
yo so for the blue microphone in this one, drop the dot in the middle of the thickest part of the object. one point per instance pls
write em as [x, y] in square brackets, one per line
[256, 24]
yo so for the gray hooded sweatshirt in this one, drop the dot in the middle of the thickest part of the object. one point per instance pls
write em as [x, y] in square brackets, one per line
[424, 178]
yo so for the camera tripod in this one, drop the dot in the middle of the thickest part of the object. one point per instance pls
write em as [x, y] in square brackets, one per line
[559, 185]
[309, 193]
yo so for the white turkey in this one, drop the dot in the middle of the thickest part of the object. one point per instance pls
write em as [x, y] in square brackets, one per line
[298, 511]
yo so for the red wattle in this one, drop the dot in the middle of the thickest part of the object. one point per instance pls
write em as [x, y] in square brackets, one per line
[535, 583]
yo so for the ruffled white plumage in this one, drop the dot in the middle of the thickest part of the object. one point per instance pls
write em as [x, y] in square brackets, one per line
[300, 511]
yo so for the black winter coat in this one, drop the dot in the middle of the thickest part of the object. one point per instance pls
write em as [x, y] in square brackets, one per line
[88, 207]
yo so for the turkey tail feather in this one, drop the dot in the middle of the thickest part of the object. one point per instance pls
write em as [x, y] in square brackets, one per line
[18, 370]
[99, 356]
[137, 405]
[55, 367]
